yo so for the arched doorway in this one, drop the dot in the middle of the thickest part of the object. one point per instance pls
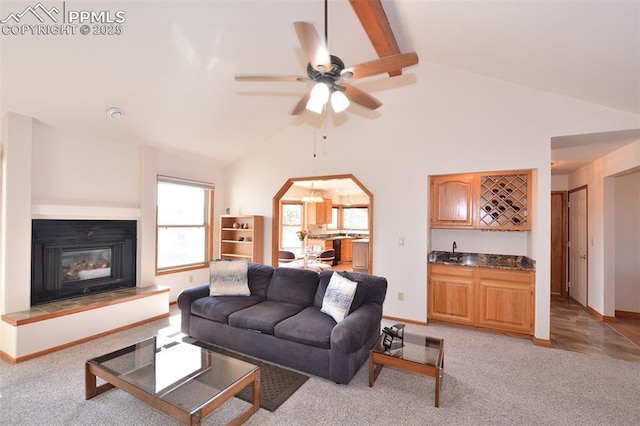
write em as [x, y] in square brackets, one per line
[321, 182]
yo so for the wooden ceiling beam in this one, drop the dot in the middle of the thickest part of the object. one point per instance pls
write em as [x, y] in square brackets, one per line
[375, 23]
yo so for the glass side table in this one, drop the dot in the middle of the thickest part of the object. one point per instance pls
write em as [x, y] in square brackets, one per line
[418, 354]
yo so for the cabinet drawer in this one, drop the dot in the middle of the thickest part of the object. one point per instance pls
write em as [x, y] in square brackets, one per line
[514, 277]
[451, 271]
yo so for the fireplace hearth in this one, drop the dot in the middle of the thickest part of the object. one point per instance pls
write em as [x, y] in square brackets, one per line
[71, 258]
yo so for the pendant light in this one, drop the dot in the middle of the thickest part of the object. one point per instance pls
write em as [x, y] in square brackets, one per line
[313, 196]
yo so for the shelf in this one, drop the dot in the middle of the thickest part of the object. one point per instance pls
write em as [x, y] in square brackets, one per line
[243, 256]
[231, 247]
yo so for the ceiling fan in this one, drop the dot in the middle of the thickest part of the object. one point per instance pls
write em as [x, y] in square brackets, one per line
[330, 74]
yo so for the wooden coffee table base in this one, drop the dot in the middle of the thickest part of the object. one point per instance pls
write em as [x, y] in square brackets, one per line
[92, 371]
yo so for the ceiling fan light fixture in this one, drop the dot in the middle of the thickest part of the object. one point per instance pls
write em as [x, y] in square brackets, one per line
[320, 92]
[319, 97]
[314, 105]
[339, 101]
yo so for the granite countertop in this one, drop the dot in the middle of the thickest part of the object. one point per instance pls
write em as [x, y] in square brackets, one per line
[483, 260]
[336, 237]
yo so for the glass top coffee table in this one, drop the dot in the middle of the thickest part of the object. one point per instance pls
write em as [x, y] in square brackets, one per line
[418, 354]
[182, 380]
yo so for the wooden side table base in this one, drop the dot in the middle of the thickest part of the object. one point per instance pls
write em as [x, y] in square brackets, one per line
[378, 359]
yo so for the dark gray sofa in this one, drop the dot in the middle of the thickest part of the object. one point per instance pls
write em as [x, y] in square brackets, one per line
[281, 320]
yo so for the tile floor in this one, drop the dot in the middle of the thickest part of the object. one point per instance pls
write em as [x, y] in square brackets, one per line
[573, 329]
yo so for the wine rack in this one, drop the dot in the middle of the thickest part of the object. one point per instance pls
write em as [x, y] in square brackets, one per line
[504, 201]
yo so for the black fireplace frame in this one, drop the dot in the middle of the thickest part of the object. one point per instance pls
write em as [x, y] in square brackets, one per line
[51, 238]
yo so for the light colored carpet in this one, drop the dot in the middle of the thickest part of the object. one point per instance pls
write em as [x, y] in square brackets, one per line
[489, 380]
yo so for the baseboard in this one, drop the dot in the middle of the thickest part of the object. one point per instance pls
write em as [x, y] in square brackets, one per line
[545, 343]
[628, 314]
[599, 316]
[13, 360]
[403, 320]
[516, 334]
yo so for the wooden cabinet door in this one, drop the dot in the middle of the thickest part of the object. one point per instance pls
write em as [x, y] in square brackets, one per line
[346, 250]
[451, 294]
[361, 257]
[319, 213]
[452, 201]
[505, 300]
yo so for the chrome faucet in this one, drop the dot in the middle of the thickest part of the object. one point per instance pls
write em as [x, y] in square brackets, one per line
[453, 251]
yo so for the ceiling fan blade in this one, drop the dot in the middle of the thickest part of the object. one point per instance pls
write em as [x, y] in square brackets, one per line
[302, 105]
[360, 97]
[291, 78]
[381, 66]
[315, 49]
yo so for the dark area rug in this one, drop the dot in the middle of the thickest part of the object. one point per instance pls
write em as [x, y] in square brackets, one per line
[277, 384]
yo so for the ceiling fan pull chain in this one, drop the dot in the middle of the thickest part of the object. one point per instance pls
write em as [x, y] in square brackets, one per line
[324, 123]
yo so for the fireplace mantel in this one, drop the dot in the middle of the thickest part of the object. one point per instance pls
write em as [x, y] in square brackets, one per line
[63, 211]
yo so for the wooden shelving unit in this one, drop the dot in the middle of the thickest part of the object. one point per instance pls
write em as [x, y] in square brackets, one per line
[241, 237]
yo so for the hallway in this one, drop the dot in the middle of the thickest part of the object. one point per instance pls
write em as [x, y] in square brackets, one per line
[573, 329]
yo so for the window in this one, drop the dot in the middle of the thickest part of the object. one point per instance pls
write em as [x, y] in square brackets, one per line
[355, 218]
[184, 221]
[291, 223]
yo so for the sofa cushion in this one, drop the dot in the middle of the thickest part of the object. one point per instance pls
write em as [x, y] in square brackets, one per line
[259, 278]
[297, 286]
[325, 277]
[218, 308]
[338, 297]
[310, 327]
[228, 278]
[264, 316]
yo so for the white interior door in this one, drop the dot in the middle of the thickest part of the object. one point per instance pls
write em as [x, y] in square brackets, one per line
[578, 245]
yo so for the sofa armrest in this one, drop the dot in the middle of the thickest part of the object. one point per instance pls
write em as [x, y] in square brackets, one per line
[185, 298]
[357, 328]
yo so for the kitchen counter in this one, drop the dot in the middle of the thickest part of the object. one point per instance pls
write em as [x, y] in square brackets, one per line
[483, 260]
[335, 237]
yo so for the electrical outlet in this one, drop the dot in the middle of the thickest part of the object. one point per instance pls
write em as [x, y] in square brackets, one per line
[400, 295]
[190, 278]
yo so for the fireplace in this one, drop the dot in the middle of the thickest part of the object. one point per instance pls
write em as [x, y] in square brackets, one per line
[71, 258]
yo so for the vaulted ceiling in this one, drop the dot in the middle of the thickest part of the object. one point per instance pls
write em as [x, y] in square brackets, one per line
[171, 70]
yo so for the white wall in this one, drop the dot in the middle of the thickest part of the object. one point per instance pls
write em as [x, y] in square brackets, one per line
[627, 242]
[47, 174]
[15, 214]
[475, 241]
[85, 178]
[599, 177]
[448, 121]
[560, 182]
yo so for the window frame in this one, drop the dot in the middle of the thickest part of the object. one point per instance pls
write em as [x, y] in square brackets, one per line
[354, 206]
[282, 226]
[208, 224]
